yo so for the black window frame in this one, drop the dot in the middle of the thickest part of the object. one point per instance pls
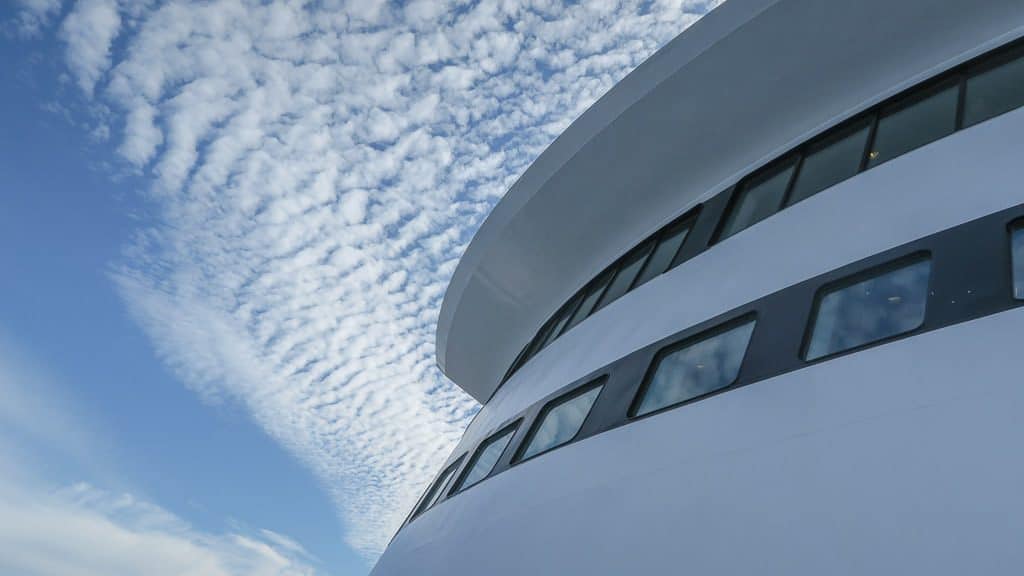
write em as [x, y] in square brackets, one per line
[673, 347]
[1014, 227]
[538, 421]
[438, 487]
[857, 277]
[687, 221]
[952, 79]
[510, 429]
[788, 161]
[987, 63]
[642, 251]
[825, 140]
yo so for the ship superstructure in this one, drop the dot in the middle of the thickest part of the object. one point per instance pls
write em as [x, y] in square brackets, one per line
[758, 310]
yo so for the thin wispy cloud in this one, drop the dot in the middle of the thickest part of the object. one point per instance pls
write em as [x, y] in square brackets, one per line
[317, 168]
[55, 528]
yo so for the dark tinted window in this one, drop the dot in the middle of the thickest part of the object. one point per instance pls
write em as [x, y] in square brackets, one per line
[882, 305]
[485, 458]
[907, 126]
[992, 91]
[624, 278]
[685, 372]
[1017, 241]
[590, 299]
[438, 488]
[665, 252]
[757, 199]
[834, 159]
[560, 421]
[559, 324]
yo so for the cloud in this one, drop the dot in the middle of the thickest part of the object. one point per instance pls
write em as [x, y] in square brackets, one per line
[317, 169]
[82, 530]
[34, 15]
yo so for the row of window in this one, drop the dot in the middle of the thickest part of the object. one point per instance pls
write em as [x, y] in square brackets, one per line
[874, 303]
[974, 92]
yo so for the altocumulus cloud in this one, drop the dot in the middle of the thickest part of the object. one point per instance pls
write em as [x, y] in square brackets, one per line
[317, 168]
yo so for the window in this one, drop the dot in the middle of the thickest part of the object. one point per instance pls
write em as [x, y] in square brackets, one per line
[665, 252]
[911, 124]
[883, 304]
[1017, 247]
[757, 199]
[693, 369]
[593, 294]
[830, 161]
[993, 90]
[485, 458]
[560, 421]
[435, 492]
[624, 278]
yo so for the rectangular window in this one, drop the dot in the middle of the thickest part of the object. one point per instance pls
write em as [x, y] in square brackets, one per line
[686, 371]
[869, 308]
[590, 299]
[438, 488]
[485, 458]
[560, 421]
[669, 244]
[1017, 248]
[758, 198]
[831, 160]
[627, 273]
[907, 125]
[558, 325]
[994, 89]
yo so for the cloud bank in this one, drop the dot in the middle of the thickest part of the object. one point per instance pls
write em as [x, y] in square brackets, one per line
[317, 169]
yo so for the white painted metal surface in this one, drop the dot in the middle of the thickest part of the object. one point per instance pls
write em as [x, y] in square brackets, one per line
[901, 459]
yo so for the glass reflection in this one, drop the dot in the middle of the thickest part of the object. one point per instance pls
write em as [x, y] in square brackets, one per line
[437, 489]
[1018, 262]
[914, 125]
[886, 305]
[833, 160]
[662, 257]
[624, 277]
[697, 369]
[759, 199]
[561, 423]
[485, 459]
[994, 91]
[587, 305]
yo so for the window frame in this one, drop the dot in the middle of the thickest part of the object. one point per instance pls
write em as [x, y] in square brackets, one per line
[538, 421]
[511, 429]
[832, 136]
[857, 277]
[643, 252]
[673, 347]
[951, 79]
[986, 63]
[438, 488]
[787, 161]
[1014, 227]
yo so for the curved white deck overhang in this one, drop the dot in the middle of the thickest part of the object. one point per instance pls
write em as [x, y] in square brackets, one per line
[748, 81]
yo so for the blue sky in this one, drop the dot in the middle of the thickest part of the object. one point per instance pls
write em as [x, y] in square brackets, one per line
[225, 231]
